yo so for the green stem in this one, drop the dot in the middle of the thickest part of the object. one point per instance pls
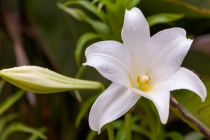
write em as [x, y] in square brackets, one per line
[110, 131]
[128, 125]
[78, 75]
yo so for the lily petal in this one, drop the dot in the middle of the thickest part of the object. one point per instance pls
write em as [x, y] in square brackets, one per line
[108, 57]
[114, 102]
[159, 95]
[167, 50]
[185, 79]
[135, 30]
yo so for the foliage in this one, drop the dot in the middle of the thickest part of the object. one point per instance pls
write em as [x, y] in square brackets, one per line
[8, 125]
[56, 35]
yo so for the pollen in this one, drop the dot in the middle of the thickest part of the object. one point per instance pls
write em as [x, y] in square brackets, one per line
[143, 83]
[138, 79]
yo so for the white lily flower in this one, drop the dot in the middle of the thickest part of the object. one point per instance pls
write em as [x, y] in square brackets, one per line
[141, 66]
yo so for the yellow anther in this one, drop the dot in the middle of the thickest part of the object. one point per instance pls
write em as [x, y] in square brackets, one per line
[138, 80]
[143, 82]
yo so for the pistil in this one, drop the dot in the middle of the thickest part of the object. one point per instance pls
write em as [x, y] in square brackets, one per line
[143, 81]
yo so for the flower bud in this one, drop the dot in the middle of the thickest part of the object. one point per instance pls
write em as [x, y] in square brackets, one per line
[41, 80]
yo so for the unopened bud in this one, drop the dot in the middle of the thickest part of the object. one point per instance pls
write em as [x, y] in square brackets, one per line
[41, 80]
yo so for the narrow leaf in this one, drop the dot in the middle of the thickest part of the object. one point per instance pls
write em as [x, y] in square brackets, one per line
[34, 136]
[10, 101]
[174, 6]
[81, 44]
[17, 126]
[130, 3]
[140, 130]
[86, 106]
[175, 136]
[75, 12]
[91, 135]
[194, 136]
[163, 18]
[101, 28]
[4, 120]
[121, 133]
[89, 6]
[100, 6]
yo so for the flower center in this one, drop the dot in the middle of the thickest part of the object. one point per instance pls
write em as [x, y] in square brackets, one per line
[143, 82]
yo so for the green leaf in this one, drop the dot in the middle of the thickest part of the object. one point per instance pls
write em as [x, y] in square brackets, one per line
[175, 136]
[10, 101]
[109, 4]
[130, 3]
[101, 28]
[194, 136]
[34, 136]
[95, 1]
[81, 44]
[17, 126]
[141, 130]
[173, 6]
[191, 110]
[4, 120]
[100, 6]
[78, 75]
[163, 18]
[89, 6]
[85, 107]
[75, 12]
[121, 133]
[91, 135]
[199, 3]
[40, 80]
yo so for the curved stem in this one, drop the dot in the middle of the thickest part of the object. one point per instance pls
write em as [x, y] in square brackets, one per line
[110, 131]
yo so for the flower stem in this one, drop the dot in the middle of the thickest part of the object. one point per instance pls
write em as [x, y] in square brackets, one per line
[110, 131]
[128, 125]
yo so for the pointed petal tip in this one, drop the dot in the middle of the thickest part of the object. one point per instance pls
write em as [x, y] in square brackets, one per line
[163, 122]
[99, 131]
[203, 98]
[110, 105]
[163, 118]
[203, 92]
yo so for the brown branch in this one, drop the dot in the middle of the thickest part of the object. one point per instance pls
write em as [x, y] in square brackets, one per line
[175, 106]
[13, 26]
[202, 44]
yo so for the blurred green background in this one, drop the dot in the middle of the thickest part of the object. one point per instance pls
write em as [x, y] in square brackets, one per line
[37, 32]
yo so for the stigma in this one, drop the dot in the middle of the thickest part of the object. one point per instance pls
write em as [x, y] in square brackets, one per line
[143, 82]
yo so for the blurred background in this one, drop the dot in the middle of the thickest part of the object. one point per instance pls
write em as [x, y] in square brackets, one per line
[38, 32]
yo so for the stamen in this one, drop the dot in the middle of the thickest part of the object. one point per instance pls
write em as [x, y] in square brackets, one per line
[138, 79]
[143, 82]
[145, 79]
[148, 88]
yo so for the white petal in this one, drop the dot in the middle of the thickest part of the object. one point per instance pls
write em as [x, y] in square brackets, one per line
[185, 79]
[135, 30]
[111, 59]
[159, 95]
[115, 101]
[167, 51]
